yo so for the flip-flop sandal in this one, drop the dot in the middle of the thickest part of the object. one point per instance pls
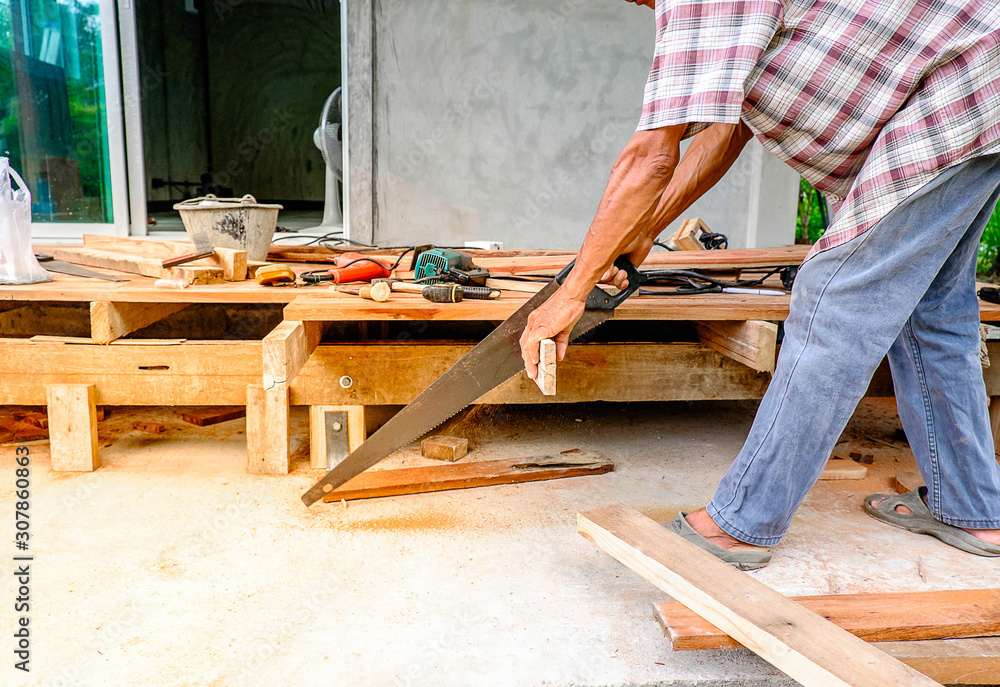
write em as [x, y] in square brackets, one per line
[741, 560]
[921, 521]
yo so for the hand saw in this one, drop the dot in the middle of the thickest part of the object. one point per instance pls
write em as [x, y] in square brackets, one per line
[492, 362]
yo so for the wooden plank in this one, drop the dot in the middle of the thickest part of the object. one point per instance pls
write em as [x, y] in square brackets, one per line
[233, 262]
[204, 417]
[753, 343]
[951, 661]
[135, 264]
[378, 483]
[886, 617]
[395, 373]
[907, 479]
[72, 411]
[110, 321]
[323, 307]
[317, 431]
[193, 373]
[797, 641]
[151, 427]
[545, 377]
[267, 430]
[516, 285]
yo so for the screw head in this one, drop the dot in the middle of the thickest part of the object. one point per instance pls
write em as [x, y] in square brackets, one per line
[336, 427]
[346, 382]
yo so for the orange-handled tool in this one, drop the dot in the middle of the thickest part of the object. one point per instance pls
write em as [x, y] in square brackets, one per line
[351, 267]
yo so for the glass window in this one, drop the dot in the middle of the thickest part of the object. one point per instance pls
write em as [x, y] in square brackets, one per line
[53, 119]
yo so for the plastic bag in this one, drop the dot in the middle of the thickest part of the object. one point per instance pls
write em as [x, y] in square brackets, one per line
[18, 264]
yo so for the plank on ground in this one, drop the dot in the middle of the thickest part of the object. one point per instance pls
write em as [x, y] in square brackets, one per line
[872, 617]
[377, 483]
[753, 343]
[110, 321]
[800, 643]
[204, 417]
[951, 661]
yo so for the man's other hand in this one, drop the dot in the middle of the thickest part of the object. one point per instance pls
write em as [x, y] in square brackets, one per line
[647, 3]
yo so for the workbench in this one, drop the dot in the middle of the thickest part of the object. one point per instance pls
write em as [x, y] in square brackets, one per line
[338, 353]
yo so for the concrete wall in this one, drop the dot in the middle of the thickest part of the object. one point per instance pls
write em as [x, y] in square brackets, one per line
[501, 120]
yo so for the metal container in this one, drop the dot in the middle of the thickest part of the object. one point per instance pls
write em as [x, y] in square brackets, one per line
[240, 223]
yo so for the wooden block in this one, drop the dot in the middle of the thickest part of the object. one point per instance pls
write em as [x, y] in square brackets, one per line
[110, 321]
[843, 469]
[378, 483]
[907, 479]
[545, 378]
[797, 641]
[753, 343]
[995, 420]
[203, 417]
[40, 420]
[73, 427]
[863, 458]
[151, 427]
[440, 447]
[318, 452]
[872, 617]
[287, 348]
[267, 430]
[101, 413]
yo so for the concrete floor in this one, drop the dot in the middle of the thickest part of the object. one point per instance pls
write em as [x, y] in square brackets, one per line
[171, 566]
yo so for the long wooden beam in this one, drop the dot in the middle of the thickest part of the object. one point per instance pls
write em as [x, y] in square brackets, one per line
[798, 642]
[752, 342]
[231, 261]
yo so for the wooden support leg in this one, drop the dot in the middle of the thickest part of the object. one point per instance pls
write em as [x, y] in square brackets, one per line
[73, 427]
[752, 343]
[110, 321]
[327, 432]
[267, 430]
[284, 352]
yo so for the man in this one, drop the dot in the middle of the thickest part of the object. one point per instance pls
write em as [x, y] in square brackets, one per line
[892, 109]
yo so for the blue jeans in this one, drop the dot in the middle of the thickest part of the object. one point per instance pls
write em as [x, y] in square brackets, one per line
[905, 288]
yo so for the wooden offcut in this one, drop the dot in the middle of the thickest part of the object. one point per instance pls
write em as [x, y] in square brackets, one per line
[72, 413]
[377, 483]
[907, 479]
[203, 417]
[887, 617]
[545, 377]
[843, 469]
[440, 447]
[150, 427]
[951, 661]
[110, 321]
[753, 343]
[797, 641]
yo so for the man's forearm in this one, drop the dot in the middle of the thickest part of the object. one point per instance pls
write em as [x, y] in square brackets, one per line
[634, 192]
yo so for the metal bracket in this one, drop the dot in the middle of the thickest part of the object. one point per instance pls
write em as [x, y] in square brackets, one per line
[337, 443]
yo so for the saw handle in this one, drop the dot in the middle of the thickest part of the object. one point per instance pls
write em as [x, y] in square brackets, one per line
[599, 299]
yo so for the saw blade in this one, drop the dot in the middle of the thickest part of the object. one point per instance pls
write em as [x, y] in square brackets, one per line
[492, 362]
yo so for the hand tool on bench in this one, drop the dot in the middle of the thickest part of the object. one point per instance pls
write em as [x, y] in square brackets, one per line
[478, 292]
[63, 267]
[492, 362]
[351, 267]
[378, 292]
[202, 249]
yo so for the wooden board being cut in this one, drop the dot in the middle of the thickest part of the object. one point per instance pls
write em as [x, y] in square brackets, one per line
[795, 640]
[872, 617]
[376, 483]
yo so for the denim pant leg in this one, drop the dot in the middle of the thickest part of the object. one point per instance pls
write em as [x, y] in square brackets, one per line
[848, 307]
[941, 395]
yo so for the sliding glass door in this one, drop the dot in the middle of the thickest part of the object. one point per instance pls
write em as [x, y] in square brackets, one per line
[61, 114]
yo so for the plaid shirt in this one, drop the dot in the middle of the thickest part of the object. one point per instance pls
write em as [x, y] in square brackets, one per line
[867, 99]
